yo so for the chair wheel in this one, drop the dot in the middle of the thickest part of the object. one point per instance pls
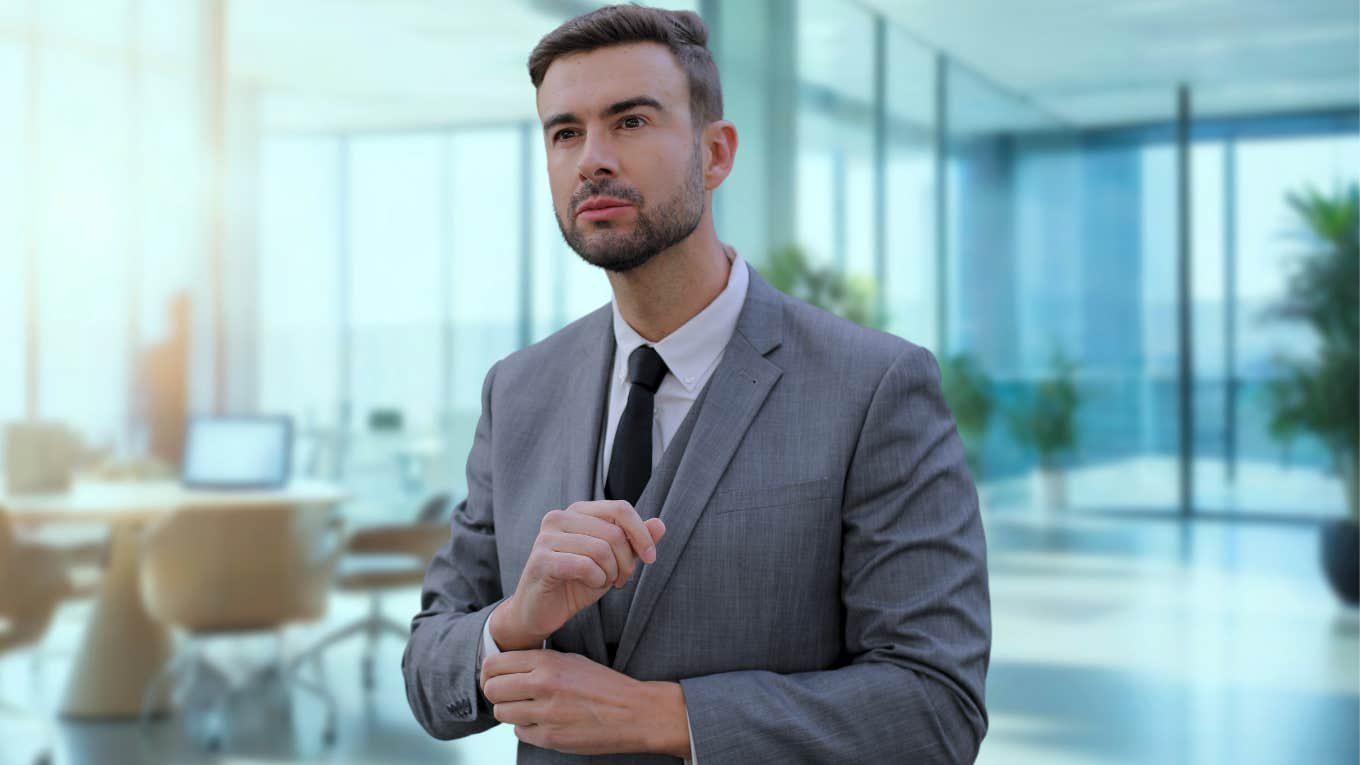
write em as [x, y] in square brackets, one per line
[213, 743]
[44, 758]
[328, 736]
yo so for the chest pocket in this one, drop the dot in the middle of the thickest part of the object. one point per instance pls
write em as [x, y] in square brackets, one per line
[785, 495]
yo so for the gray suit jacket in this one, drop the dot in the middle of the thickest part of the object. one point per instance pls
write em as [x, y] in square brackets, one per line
[821, 591]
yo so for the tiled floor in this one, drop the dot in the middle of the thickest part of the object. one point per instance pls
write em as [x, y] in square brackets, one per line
[1137, 641]
[1116, 640]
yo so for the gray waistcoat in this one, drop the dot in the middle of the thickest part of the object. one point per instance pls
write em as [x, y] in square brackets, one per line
[615, 603]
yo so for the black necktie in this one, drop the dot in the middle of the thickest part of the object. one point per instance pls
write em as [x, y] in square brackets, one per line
[630, 461]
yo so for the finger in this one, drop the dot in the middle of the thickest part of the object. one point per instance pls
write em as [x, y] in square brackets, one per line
[506, 688]
[518, 712]
[571, 567]
[529, 734]
[574, 520]
[592, 547]
[510, 662]
[625, 517]
[656, 527]
[580, 523]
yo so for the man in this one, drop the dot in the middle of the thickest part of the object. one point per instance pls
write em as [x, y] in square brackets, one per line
[707, 521]
[161, 395]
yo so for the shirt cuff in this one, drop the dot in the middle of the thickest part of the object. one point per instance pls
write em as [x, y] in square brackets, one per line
[693, 758]
[489, 647]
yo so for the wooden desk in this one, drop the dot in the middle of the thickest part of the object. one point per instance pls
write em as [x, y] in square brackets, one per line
[123, 649]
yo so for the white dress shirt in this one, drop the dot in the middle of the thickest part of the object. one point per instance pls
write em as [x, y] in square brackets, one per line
[691, 353]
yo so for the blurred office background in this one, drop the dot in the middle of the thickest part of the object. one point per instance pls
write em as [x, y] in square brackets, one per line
[1127, 230]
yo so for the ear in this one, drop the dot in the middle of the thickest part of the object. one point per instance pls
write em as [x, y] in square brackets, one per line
[719, 145]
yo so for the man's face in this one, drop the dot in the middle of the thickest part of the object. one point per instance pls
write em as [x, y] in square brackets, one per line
[624, 163]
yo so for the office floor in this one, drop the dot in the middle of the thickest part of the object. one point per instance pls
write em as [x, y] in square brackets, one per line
[1141, 641]
[1116, 640]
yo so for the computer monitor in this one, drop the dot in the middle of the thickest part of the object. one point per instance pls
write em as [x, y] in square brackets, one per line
[238, 452]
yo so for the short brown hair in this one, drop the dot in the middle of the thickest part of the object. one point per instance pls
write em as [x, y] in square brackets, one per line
[683, 32]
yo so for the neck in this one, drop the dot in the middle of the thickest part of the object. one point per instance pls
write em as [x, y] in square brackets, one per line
[662, 294]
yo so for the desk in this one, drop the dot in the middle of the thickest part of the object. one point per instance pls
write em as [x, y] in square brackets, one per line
[123, 649]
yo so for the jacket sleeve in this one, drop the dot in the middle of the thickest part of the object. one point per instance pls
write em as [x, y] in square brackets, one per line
[462, 586]
[916, 605]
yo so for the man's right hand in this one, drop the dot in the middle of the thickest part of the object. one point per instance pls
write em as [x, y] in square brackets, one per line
[579, 554]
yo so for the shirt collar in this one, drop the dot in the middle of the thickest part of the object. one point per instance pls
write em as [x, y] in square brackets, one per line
[692, 349]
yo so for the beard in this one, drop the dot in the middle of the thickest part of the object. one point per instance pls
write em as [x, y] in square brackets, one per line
[617, 250]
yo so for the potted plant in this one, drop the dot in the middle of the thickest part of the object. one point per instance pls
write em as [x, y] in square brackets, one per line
[968, 390]
[1045, 421]
[850, 297]
[1318, 395]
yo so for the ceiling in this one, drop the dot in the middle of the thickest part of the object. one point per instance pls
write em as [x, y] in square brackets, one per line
[1092, 62]
[401, 64]
[391, 64]
[362, 64]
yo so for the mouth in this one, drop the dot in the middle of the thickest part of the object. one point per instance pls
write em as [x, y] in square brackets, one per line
[602, 208]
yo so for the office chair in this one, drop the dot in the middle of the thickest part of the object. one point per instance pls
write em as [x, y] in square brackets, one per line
[380, 559]
[215, 572]
[34, 579]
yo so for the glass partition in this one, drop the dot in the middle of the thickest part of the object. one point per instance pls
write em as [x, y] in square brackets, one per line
[1249, 240]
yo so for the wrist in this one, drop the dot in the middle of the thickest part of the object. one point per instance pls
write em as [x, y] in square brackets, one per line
[667, 723]
[505, 630]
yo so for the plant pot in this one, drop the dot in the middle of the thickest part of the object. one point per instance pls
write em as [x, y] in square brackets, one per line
[1052, 488]
[1340, 548]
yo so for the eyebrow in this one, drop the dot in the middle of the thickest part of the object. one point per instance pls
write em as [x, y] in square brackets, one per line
[615, 108]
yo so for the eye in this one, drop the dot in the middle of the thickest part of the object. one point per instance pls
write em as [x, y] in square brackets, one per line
[632, 121]
[564, 134]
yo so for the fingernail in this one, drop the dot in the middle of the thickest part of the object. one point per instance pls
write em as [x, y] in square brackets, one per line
[650, 555]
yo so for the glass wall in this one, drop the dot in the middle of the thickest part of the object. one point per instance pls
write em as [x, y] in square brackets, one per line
[1061, 292]
[835, 181]
[866, 202]
[910, 270]
[14, 229]
[300, 287]
[419, 295]
[100, 141]
[1248, 240]
[1063, 248]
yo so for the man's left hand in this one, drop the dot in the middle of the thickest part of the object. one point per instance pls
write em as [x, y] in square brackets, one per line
[566, 702]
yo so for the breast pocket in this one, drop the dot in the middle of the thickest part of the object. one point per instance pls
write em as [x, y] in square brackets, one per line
[762, 568]
[784, 495]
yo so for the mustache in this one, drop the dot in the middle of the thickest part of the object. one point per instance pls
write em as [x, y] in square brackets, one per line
[605, 188]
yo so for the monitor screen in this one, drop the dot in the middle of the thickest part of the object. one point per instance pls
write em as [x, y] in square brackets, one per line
[238, 452]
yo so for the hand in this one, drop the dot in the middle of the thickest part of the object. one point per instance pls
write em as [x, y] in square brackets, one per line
[579, 554]
[566, 702]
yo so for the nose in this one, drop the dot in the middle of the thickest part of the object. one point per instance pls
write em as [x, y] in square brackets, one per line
[597, 159]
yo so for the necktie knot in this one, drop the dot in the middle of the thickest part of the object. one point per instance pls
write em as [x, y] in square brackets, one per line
[645, 368]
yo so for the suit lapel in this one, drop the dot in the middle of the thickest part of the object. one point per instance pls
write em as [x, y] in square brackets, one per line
[731, 399]
[583, 397]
